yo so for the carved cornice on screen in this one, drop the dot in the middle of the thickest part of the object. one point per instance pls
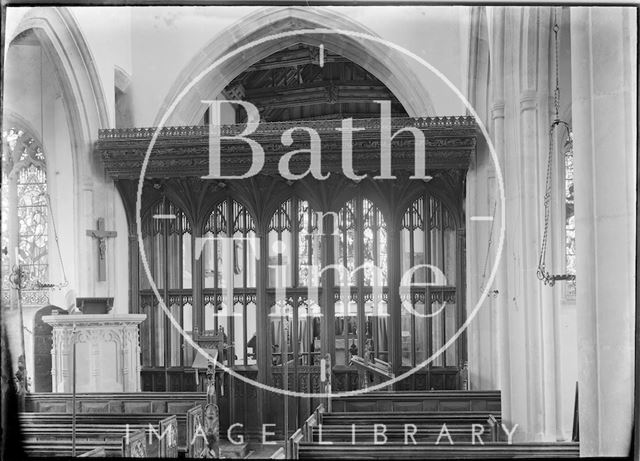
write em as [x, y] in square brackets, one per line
[184, 151]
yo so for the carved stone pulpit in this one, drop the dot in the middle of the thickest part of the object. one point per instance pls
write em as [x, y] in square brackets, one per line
[107, 352]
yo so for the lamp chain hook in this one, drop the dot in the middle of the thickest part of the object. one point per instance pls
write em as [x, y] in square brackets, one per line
[542, 273]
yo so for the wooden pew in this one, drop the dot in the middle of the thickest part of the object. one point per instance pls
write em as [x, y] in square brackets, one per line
[41, 438]
[117, 445]
[109, 402]
[293, 443]
[400, 433]
[305, 433]
[56, 448]
[498, 450]
[135, 445]
[401, 401]
[133, 419]
[168, 429]
[195, 443]
[438, 417]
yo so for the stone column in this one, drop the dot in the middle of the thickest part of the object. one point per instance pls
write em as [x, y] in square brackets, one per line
[603, 59]
[525, 324]
[496, 16]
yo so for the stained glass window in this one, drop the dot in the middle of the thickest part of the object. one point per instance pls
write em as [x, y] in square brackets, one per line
[570, 222]
[24, 207]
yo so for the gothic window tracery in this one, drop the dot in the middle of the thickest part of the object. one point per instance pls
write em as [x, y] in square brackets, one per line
[24, 196]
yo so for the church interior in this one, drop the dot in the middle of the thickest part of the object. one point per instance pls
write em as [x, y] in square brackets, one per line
[319, 232]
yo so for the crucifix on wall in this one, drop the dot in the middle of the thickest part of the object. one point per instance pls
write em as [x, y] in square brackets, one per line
[101, 236]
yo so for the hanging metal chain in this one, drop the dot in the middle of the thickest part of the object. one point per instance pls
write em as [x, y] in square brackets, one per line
[65, 283]
[486, 259]
[556, 91]
[543, 274]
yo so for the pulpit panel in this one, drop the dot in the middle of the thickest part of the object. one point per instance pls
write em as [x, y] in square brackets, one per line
[107, 352]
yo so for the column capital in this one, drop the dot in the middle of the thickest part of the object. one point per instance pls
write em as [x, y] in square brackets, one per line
[497, 110]
[528, 100]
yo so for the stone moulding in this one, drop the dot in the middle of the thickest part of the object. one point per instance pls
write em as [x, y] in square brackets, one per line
[112, 363]
[184, 151]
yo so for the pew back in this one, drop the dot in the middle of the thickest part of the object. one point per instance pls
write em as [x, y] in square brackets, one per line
[401, 401]
[498, 450]
[195, 439]
[134, 445]
[168, 437]
[109, 402]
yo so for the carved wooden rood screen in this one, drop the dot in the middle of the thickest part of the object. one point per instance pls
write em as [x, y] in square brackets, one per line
[390, 224]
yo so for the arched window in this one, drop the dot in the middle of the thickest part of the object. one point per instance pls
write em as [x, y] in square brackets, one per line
[294, 256]
[229, 267]
[570, 223]
[429, 314]
[25, 216]
[362, 253]
[166, 235]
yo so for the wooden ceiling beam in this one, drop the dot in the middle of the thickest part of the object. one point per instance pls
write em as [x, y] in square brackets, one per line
[293, 58]
[311, 94]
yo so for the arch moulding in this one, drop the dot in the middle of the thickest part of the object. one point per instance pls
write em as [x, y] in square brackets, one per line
[389, 67]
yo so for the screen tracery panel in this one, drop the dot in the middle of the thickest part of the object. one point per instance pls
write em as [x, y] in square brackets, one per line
[167, 240]
[363, 304]
[361, 253]
[429, 315]
[294, 263]
[229, 267]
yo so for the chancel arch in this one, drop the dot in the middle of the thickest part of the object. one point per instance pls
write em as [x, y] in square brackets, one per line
[386, 65]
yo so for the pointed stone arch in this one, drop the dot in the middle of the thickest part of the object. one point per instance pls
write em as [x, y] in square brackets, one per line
[60, 37]
[389, 67]
[58, 34]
